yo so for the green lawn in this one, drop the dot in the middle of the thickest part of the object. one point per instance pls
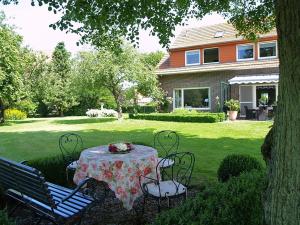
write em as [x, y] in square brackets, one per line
[36, 138]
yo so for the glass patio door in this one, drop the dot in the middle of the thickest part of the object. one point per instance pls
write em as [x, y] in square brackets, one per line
[246, 98]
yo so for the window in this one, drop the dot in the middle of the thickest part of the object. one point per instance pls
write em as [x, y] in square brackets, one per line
[267, 50]
[245, 52]
[192, 98]
[219, 34]
[178, 98]
[211, 55]
[192, 57]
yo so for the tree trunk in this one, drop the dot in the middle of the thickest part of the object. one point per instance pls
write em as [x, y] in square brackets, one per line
[119, 109]
[282, 203]
[2, 120]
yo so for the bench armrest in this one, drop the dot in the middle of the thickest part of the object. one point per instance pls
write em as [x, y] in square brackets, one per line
[24, 162]
[79, 186]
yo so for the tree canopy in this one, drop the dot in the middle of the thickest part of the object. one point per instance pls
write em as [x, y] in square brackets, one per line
[104, 22]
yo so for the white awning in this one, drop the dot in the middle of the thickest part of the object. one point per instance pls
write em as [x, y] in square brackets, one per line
[255, 79]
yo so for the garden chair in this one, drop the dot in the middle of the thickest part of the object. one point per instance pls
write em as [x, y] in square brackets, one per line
[166, 141]
[69, 145]
[177, 180]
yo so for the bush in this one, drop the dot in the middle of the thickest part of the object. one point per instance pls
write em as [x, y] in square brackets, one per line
[194, 118]
[53, 168]
[4, 220]
[27, 106]
[14, 114]
[185, 111]
[238, 201]
[139, 109]
[234, 165]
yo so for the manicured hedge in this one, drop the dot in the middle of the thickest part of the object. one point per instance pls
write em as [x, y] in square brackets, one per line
[236, 202]
[139, 109]
[195, 118]
[53, 168]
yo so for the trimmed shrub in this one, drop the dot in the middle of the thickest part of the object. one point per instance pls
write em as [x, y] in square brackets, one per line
[194, 118]
[234, 165]
[238, 201]
[4, 220]
[14, 114]
[53, 168]
[139, 109]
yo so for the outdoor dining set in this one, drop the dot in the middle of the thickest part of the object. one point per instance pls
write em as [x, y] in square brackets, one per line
[130, 171]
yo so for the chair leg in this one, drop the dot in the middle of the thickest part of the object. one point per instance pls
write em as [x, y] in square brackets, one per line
[67, 175]
[158, 205]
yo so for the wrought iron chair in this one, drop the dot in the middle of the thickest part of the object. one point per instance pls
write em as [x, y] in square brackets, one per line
[178, 179]
[167, 141]
[69, 144]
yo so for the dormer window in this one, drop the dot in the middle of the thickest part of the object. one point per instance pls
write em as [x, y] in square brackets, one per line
[192, 57]
[219, 34]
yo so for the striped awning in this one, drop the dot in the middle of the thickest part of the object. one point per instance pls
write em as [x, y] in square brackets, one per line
[255, 79]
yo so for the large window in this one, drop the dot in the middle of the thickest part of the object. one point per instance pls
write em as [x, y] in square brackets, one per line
[192, 57]
[267, 50]
[211, 55]
[192, 98]
[245, 52]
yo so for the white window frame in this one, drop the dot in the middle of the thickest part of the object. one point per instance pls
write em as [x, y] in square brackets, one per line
[267, 57]
[254, 92]
[237, 52]
[192, 64]
[182, 98]
[211, 62]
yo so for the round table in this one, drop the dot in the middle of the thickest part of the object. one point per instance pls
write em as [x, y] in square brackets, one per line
[120, 171]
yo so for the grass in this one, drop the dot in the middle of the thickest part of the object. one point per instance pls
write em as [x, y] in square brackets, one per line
[36, 138]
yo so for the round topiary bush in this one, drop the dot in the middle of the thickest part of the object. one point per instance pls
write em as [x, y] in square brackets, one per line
[234, 165]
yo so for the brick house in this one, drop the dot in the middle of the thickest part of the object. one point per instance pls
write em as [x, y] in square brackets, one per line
[212, 62]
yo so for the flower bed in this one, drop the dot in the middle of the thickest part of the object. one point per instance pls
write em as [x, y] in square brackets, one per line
[194, 118]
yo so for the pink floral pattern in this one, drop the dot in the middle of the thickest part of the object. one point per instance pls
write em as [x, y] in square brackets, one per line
[120, 171]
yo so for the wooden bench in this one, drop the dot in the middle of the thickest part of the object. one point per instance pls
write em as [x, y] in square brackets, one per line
[49, 201]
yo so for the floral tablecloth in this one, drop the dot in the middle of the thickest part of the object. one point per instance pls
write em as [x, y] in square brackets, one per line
[120, 171]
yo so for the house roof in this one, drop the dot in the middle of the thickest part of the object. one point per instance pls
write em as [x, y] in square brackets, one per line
[255, 79]
[270, 63]
[206, 35]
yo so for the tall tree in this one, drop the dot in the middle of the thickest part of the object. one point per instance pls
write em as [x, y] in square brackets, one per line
[10, 66]
[104, 21]
[61, 96]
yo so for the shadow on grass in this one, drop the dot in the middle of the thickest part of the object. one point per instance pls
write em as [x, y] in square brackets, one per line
[83, 121]
[13, 122]
[209, 152]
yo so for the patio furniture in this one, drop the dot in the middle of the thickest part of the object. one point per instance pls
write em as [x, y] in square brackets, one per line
[48, 201]
[69, 144]
[250, 113]
[262, 113]
[167, 141]
[177, 179]
[120, 171]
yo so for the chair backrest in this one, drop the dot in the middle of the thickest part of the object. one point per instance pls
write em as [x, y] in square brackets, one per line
[25, 181]
[166, 141]
[181, 170]
[70, 143]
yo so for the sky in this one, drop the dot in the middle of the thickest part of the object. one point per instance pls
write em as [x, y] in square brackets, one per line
[33, 24]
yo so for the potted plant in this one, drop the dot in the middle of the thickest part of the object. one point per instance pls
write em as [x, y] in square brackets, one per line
[233, 108]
